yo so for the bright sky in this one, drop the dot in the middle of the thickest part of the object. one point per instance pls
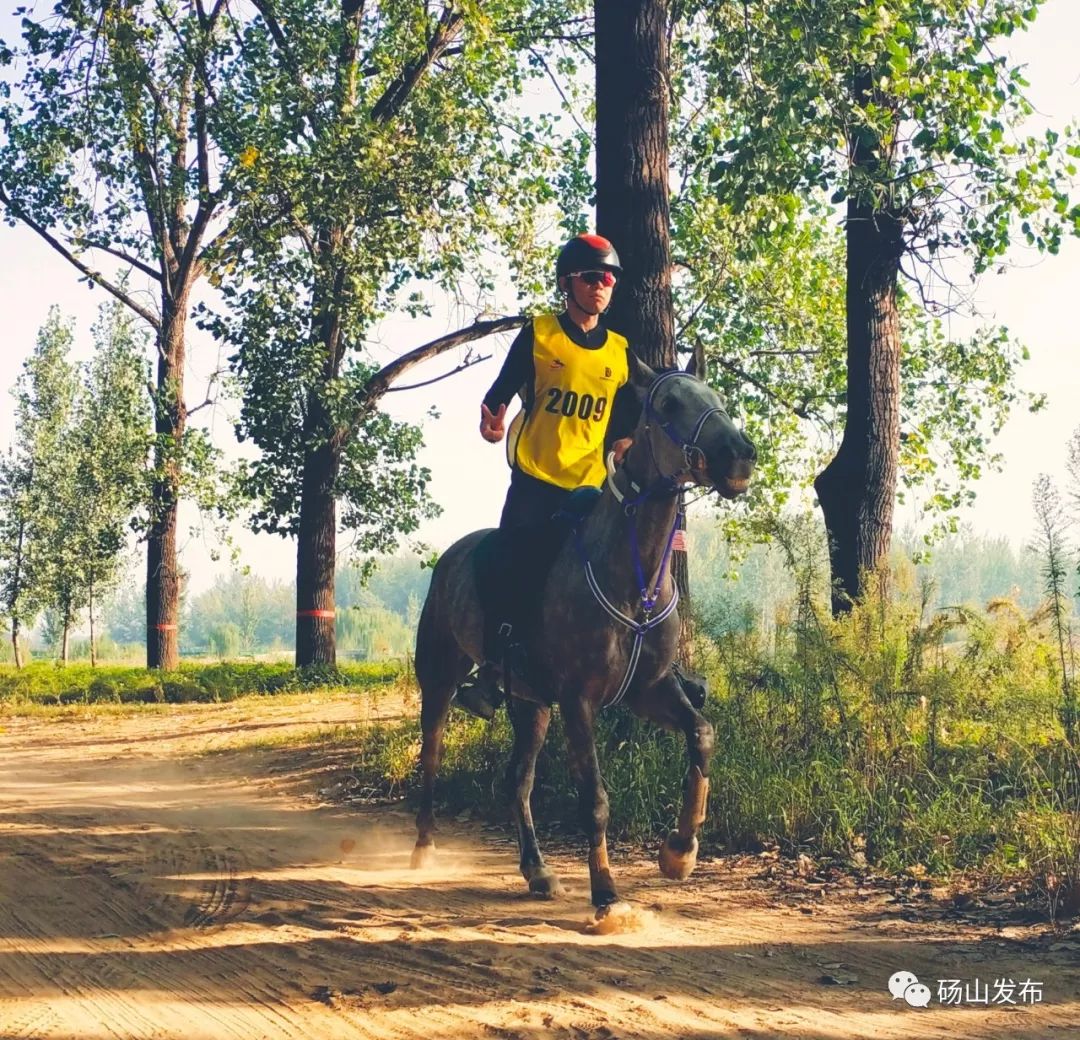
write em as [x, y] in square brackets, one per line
[1034, 299]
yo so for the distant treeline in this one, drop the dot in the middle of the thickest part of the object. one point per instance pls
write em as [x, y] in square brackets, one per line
[244, 614]
[737, 591]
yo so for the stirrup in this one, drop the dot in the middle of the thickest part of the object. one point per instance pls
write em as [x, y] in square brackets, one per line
[479, 694]
[693, 686]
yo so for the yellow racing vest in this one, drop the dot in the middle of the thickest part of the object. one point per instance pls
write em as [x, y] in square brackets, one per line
[561, 440]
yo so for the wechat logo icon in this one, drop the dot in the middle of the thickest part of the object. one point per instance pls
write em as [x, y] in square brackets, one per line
[905, 984]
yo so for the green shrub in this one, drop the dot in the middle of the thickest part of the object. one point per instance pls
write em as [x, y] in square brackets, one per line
[913, 740]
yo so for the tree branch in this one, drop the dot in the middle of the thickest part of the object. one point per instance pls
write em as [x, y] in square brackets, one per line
[266, 9]
[206, 23]
[190, 267]
[95, 276]
[397, 93]
[179, 173]
[380, 382]
[555, 83]
[467, 363]
[85, 243]
[151, 187]
[801, 411]
[277, 33]
[210, 399]
[352, 15]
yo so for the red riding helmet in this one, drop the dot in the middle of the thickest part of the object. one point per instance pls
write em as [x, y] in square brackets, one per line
[587, 253]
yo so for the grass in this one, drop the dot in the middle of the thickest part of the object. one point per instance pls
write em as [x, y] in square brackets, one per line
[47, 685]
[924, 745]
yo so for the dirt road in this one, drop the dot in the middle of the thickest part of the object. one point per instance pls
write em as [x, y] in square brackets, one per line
[148, 889]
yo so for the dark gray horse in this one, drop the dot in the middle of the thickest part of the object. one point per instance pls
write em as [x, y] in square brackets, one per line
[608, 631]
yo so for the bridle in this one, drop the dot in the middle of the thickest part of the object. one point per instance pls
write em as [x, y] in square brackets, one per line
[665, 486]
[689, 444]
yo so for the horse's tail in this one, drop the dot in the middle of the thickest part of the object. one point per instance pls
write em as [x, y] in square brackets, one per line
[437, 652]
[441, 660]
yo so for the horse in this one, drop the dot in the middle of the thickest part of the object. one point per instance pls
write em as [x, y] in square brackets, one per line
[606, 633]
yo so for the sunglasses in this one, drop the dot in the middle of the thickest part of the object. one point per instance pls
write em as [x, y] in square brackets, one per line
[604, 278]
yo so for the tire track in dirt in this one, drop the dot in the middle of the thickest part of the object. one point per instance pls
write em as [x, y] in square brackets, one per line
[148, 891]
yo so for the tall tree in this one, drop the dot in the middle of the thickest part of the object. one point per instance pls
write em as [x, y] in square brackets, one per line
[112, 446]
[19, 604]
[932, 165]
[633, 209]
[38, 461]
[1057, 559]
[107, 156]
[377, 145]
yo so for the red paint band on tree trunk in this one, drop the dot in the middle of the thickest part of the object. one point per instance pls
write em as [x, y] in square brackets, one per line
[165, 628]
[315, 613]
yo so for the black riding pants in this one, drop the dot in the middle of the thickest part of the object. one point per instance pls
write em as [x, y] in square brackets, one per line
[531, 501]
[510, 592]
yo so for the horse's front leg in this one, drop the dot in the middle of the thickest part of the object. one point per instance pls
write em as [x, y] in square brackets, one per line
[667, 705]
[578, 718]
[530, 723]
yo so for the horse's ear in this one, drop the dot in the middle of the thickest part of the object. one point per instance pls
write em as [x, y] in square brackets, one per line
[695, 364]
[641, 376]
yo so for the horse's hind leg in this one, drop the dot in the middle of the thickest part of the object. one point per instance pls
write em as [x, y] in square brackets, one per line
[530, 723]
[667, 705]
[433, 715]
[440, 666]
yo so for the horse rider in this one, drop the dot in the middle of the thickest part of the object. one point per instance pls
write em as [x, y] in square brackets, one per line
[572, 374]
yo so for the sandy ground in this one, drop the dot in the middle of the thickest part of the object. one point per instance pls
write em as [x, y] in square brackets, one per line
[148, 889]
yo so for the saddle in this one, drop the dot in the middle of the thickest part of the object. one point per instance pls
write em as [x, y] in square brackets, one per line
[511, 567]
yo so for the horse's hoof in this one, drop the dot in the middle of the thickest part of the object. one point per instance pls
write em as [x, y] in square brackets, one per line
[604, 899]
[678, 857]
[618, 917]
[423, 856]
[545, 884]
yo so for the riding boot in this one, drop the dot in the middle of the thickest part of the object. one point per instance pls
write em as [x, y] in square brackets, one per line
[481, 693]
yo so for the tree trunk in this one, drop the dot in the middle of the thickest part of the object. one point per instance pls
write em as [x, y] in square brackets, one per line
[632, 192]
[162, 572]
[632, 203]
[857, 490]
[316, 542]
[315, 558]
[64, 635]
[17, 582]
[90, 611]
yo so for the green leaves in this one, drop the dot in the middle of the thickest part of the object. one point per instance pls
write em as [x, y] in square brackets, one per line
[36, 469]
[906, 111]
[77, 473]
[938, 117]
[366, 168]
